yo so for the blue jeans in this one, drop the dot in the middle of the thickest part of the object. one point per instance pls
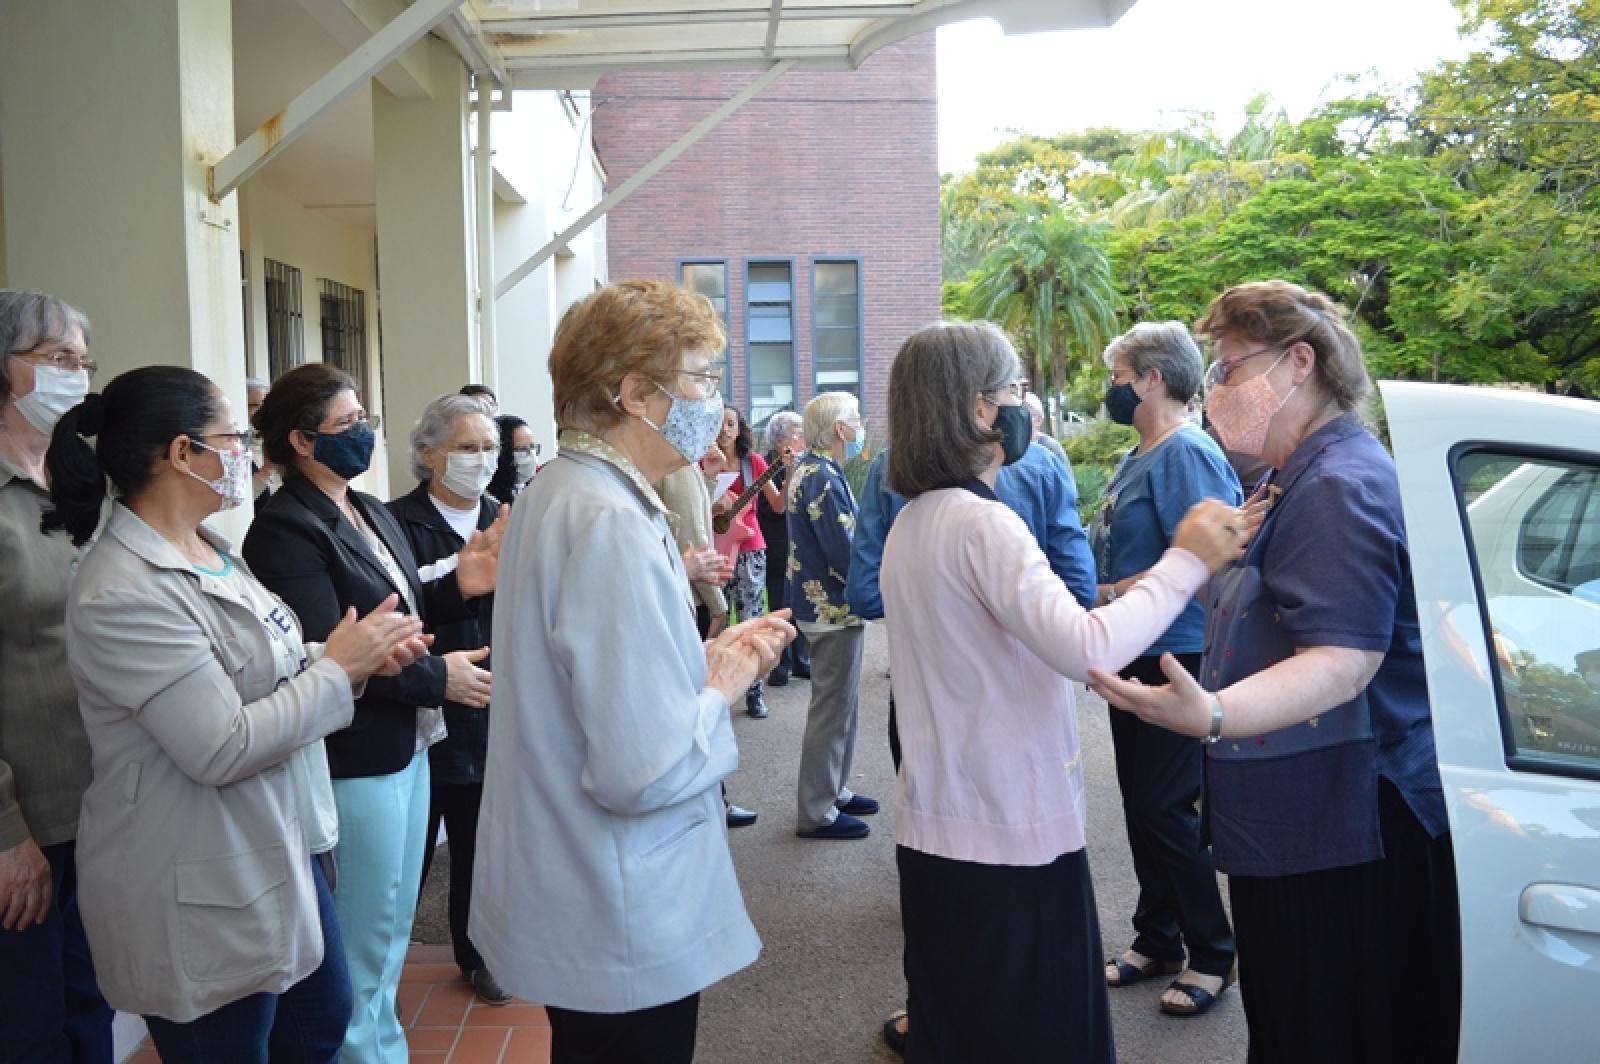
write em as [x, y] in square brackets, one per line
[52, 1011]
[303, 1025]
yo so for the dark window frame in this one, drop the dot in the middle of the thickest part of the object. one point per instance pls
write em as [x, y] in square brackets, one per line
[727, 309]
[791, 262]
[346, 328]
[861, 324]
[285, 317]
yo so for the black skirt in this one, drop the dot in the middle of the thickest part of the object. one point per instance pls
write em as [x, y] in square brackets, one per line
[1003, 963]
[1357, 964]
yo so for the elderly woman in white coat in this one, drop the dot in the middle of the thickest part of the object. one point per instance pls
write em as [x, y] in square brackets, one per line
[603, 885]
[204, 908]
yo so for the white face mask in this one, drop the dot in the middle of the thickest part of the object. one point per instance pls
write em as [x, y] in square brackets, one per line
[527, 466]
[55, 391]
[234, 484]
[692, 425]
[469, 474]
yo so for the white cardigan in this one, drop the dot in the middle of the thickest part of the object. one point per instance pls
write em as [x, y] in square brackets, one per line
[603, 880]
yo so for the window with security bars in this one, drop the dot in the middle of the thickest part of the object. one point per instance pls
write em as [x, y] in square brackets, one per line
[836, 325]
[344, 329]
[710, 279]
[285, 323]
[769, 336]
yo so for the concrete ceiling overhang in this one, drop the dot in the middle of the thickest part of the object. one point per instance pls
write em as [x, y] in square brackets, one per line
[545, 44]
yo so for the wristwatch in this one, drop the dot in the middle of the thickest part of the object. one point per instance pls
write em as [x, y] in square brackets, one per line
[1216, 720]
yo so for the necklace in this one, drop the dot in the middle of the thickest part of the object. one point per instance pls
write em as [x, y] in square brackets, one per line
[1162, 438]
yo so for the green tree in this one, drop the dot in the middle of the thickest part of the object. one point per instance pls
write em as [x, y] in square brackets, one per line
[1048, 281]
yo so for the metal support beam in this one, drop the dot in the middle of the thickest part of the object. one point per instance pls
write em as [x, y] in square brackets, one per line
[464, 33]
[773, 22]
[349, 74]
[557, 21]
[483, 162]
[351, 22]
[645, 173]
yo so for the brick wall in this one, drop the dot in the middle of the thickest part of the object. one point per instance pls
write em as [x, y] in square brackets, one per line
[819, 165]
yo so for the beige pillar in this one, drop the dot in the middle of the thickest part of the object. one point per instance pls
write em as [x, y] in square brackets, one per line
[105, 177]
[425, 249]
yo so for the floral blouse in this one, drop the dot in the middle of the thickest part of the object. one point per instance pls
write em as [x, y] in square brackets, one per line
[822, 520]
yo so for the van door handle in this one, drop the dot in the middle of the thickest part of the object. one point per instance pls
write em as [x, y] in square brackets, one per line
[1561, 907]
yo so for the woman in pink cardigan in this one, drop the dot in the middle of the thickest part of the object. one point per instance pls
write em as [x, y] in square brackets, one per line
[1002, 937]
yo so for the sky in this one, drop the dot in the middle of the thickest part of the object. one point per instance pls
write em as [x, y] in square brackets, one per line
[1167, 59]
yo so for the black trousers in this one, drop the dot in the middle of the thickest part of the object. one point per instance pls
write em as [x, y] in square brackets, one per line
[1159, 773]
[1355, 964]
[661, 1035]
[457, 806]
[797, 653]
[1002, 962]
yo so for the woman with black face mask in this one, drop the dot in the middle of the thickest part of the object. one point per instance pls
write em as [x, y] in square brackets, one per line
[1155, 371]
[324, 547]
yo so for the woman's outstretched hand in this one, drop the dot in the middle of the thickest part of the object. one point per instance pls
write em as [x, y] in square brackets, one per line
[1217, 533]
[1180, 705]
[479, 560]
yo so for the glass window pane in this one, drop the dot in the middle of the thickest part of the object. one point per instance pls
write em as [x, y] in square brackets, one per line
[1536, 537]
[838, 344]
[769, 273]
[836, 310]
[771, 363]
[707, 278]
[838, 380]
[836, 278]
[771, 330]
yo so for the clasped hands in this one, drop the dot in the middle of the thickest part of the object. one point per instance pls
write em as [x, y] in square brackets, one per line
[747, 650]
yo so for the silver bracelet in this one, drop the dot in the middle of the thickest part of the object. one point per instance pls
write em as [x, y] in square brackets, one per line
[1216, 720]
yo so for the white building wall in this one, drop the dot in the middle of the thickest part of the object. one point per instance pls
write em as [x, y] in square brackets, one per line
[543, 152]
[319, 246]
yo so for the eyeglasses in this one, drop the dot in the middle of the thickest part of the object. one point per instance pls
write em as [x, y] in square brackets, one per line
[243, 439]
[63, 360]
[1220, 371]
[708, 383]
[359, 418]
[530, 449]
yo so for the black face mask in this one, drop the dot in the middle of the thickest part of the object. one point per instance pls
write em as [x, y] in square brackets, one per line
[1121, 402]
[346, 453]
[1015, 425]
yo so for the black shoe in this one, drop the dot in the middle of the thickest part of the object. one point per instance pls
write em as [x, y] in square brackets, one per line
[844, 826]
[755, 705]
[801, 672]
[740, 817]
[894, 1035]
[858, 805]
[778, 677]
[487, 987]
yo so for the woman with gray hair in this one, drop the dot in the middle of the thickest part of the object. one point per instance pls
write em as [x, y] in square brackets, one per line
[455, 451]
[822, 519]
[1002, 937]
[786, 441]
[1155, 371]
[53, 1007]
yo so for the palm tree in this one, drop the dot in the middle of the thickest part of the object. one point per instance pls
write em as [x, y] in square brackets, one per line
[1048, 280]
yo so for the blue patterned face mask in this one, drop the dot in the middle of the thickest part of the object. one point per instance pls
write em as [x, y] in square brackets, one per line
[346, 453]
[692, 425]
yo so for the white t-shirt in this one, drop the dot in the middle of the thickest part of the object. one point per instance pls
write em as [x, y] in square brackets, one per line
[307, 766]
[463, 522]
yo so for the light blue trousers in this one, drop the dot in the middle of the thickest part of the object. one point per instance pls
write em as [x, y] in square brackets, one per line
[382, 824]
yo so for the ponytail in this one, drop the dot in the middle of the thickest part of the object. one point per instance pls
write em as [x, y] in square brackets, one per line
[132, 423]
[77, 483]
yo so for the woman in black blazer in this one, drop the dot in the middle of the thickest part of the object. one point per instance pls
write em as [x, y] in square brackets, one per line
[324, 548]
[455, 451]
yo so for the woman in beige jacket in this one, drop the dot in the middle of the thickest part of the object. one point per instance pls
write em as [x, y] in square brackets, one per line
[203, 908]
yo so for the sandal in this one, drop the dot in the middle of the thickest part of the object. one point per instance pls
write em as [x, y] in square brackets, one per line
[894, 1034]
[1200, 998]
[1128, 974]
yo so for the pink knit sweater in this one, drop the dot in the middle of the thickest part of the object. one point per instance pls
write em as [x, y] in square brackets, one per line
[983, 638]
